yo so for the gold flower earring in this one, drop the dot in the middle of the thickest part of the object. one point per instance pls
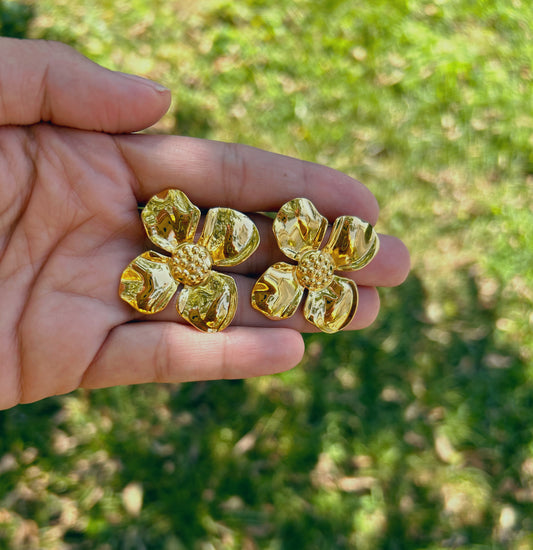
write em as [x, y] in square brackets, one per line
[331, 300]
[208, 299]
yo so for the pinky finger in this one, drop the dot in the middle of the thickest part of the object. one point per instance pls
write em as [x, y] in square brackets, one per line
[138, 353]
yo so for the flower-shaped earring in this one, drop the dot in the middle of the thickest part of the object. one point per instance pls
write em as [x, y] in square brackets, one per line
[208, 300]
[331, 301]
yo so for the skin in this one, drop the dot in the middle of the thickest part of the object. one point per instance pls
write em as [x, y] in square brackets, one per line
[71, 179]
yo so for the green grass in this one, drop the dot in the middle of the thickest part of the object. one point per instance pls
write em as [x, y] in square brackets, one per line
[414, 434]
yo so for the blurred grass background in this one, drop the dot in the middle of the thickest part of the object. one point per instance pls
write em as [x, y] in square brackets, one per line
[415, 433]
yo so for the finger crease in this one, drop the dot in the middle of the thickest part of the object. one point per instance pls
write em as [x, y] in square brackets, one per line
[233, 173]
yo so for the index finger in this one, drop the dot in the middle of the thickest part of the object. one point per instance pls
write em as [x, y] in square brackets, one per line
[213, 173]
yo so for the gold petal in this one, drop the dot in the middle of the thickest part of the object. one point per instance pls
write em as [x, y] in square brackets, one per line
[209, 306]
[299, 227]
[147, 284]
[277, 293]
[352, 244]
[230, 236]
[333, 307]
[170, 219]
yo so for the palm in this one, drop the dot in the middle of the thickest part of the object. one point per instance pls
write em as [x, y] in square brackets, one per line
[62, 251]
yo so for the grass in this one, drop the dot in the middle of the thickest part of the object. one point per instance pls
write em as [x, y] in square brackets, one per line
[413, 434]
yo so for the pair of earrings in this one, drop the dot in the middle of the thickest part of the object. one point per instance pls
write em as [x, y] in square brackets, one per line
[208, 299]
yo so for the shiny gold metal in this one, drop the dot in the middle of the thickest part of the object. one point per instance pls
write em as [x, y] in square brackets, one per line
[208, 300]
[333, 307]
[352, 244]
[191, 264]
[147, 283]
[277, 293]
[229, 236]
[331, 301]
[299, 227]
[315, 269]
[170, 219]
[211, 305]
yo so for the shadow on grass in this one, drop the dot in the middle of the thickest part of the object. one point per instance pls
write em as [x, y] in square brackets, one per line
[191, 120]
[15, 18]
[442, 411]
[345, 451]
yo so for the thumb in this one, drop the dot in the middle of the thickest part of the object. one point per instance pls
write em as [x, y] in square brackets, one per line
[49, 81]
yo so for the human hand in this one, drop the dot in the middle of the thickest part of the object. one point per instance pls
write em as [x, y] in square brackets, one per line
[69, 224]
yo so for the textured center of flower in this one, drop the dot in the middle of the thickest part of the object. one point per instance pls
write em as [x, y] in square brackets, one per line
[191, 264]
[315, 270]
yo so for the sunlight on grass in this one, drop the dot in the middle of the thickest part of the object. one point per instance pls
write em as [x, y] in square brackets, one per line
[415, 433]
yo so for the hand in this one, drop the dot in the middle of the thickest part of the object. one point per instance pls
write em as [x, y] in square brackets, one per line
[69, 225]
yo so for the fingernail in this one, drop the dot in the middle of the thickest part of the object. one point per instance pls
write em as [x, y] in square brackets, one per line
[154, 85]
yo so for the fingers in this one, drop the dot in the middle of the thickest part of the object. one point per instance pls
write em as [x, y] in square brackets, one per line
[241, 177]
[169, 352]
[366, 314]
[367, 311]
[248, 179]
[49, 81]
[390, 266]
